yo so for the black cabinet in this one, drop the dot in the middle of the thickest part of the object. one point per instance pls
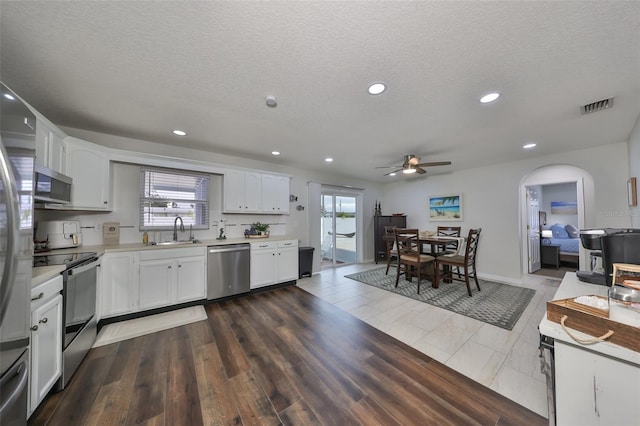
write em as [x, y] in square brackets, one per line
[379, 222]
[550, 255]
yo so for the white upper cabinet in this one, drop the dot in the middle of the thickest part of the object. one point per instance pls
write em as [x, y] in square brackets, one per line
[89, 166]
[241, 191]
[275, 194]
[50, 150]
[253, 192]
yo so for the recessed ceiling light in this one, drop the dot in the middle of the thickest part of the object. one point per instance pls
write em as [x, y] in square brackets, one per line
[180, 133]
[275, 152]
[8, 96]
[377, 88]
[489, 97]
[529, 146]
[328, 159]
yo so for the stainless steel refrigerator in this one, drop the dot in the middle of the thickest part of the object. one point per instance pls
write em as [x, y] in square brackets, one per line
[17, 151]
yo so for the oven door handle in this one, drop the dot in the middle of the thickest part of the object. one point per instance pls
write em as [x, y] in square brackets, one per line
[83, 268]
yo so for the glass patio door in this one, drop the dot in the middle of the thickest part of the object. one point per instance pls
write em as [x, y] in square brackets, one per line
[338, 229]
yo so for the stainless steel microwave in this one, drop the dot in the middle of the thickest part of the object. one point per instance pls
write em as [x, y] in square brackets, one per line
[51, 186]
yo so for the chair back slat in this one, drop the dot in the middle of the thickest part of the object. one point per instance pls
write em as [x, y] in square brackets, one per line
[472, 246]
[407, 241]
[448, 231]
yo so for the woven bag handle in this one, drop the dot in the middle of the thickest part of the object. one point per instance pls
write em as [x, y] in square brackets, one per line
[584, 341]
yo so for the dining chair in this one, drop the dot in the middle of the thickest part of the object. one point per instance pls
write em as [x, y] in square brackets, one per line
[392, 251]
[467, 262]
[410, 260]
[450, 231]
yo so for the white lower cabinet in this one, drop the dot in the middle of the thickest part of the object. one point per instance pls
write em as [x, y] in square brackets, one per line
[594, 389]
[157, 278]
[191, 279]
[149, 279]
[118, 283]
[263, 264]
[273, 262]
[287, 260]
[46, 340]
[171, 276]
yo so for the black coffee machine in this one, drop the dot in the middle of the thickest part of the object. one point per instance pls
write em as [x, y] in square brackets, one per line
[609, 245]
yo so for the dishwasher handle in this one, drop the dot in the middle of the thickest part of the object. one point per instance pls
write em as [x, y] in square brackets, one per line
[224, 249]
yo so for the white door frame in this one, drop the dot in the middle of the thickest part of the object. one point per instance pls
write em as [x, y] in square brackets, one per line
[573, 176]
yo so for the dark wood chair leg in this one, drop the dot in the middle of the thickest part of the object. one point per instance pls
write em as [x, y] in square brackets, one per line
[388, 263]
[466, 280]
[475, 277]
[436, 275]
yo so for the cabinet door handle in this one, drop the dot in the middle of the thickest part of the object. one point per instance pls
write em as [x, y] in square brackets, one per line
[169, 266]
[34, 328]
[40, 296]
[179, 266]
[43, 320]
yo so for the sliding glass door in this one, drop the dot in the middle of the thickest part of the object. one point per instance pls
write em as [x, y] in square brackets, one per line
[338, 229]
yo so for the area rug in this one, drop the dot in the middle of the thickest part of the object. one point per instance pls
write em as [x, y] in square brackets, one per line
[124, 330]
[497, 304]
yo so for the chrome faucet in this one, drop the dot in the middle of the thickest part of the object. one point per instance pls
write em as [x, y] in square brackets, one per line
[175, 228]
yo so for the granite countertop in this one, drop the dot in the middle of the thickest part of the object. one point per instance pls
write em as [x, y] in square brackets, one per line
[41, 274]
[572, 287]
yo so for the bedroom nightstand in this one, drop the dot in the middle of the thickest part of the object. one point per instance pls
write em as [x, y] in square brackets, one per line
[550, 255]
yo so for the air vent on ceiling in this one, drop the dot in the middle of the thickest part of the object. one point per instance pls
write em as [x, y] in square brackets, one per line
[597, 106]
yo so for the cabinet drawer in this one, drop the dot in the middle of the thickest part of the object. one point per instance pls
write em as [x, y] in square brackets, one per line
[264, 245]
[159, 254]
[287, 243]
[45, 291]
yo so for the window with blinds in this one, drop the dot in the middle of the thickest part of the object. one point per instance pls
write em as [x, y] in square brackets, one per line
[167, 194]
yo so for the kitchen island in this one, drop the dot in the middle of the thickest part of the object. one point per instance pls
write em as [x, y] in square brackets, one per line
[595, 384]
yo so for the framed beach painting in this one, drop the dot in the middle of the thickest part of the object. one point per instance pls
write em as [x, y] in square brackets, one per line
[445, 208]
[564, 207]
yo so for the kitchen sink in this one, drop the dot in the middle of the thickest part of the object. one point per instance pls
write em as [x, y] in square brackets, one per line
[177, 243]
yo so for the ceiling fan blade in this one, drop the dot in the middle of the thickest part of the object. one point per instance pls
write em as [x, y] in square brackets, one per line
[435, 163]
[387, 167]
[420, 170]
[395, 171]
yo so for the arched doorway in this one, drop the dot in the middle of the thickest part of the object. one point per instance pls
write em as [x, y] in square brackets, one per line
[551, 175]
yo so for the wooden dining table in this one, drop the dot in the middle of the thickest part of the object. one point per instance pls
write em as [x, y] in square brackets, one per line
[438, 245]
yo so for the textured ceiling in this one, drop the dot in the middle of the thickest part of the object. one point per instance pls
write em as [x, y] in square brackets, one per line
[140, 69]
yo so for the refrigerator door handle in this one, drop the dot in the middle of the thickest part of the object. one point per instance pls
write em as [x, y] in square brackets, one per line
[11, 259]
[22, 370]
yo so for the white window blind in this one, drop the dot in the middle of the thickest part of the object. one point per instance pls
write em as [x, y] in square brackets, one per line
[167, 194]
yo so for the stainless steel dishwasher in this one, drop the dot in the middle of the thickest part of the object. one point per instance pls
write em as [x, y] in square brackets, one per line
[228, 270]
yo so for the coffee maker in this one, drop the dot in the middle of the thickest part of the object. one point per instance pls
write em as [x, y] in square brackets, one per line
[609, 246]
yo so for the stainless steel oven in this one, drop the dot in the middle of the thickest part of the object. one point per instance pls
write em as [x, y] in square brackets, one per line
[78, 307]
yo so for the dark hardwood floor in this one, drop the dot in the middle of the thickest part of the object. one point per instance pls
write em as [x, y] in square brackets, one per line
[277, 357]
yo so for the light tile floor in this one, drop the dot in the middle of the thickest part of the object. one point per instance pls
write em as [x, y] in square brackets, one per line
[503, 360]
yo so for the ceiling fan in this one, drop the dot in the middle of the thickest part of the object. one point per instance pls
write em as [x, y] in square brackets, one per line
[412, 164]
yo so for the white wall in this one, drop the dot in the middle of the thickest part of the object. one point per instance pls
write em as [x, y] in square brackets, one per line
[491, 201]
[634, 168]
[558, 192]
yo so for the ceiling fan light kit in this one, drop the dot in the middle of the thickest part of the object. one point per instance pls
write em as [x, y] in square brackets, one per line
[412, 165]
